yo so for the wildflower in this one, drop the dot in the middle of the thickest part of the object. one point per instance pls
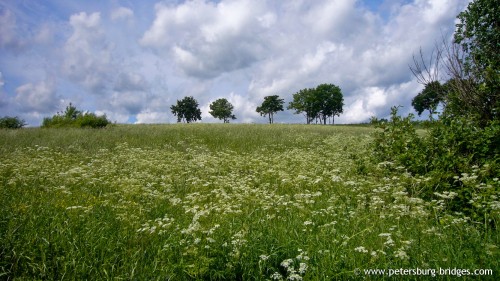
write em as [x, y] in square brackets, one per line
[286, 263]
[361, 249]
[389, 242]
[306, 223]
[400, 253]
[264, 257]
[276, 276]
[302, 268]
[294, 276]
[74, 207]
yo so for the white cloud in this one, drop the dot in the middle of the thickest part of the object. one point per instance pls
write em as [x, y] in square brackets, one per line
[40, 97]
[10, 35]
[122, 13]
[138, 61]
[3, 95]
[148, 117]
[208, 39]
[130, 81]
[88, 59]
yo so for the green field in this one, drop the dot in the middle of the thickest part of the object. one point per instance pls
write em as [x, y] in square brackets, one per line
[222, 202]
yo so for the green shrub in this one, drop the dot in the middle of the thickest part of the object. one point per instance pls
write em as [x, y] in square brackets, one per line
[457, 159]
[75, 118]
[398, 141]
[91, 120]
[11, 123]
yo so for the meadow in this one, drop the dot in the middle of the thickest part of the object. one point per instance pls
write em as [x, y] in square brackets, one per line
[223, 202]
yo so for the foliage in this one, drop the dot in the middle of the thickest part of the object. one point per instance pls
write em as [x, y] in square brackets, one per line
[398, 141]
[321, 103]
[303, 102]
[429, 98]
[456, 157]
[186, 110]
[270, 106]
[72, 117]
[471, 64]
[11, 123]
[329, 101]
[256, 202]
[478, 32]
[222, 109]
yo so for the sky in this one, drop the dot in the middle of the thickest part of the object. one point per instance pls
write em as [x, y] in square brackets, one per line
[132, 60]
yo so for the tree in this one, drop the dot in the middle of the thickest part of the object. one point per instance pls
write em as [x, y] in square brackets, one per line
[186, 110]
[303, 102]
[270, 106]
[71, 112]
[471, 64]
[429, 98]
[322, 102]
[478, 34]
[222, 109]
[329, 101]
[11, 123]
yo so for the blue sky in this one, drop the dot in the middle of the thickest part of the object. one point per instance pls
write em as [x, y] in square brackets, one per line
[132, 59]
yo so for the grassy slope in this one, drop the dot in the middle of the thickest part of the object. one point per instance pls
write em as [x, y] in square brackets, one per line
[218, 201]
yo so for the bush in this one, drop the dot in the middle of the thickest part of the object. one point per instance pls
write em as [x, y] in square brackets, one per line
[398, 141]
[457, 159]
[11, 123]
[75, 118]
[91, 120]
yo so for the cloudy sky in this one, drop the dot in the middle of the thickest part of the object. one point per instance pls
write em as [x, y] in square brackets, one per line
[133, 59]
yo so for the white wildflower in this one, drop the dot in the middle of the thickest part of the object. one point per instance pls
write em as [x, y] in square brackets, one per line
[286, 263]
[264, 257]
[361, 249]
[276, 276]
[302, 268]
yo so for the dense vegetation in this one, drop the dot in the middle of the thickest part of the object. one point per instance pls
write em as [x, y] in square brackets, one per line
[72, 117]
[208, 201]
[217, 202]
[8, 122]
[464, 142]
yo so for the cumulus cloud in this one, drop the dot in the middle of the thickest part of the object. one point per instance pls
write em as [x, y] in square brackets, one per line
[122, 13]
[10, 35]
[88, 59]
[38, 97]
[136, 61]
[207, 39]
[129, 81]
[3, 95]
[148, 117]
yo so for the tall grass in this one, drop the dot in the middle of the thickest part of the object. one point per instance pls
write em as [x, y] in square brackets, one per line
[219, 202]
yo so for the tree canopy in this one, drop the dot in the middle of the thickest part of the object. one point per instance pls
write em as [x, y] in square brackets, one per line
[322, 102]
[303, 102]
[8, 122]
[478, 33]
[429, 98]
[186, 110]
[270, 106]
[222, 109]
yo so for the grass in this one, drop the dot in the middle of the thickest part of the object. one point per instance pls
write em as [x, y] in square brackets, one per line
[220, 202]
